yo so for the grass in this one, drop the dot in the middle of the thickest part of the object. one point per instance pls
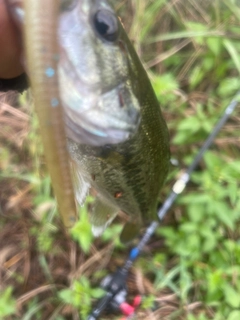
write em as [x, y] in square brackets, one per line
[191, 50]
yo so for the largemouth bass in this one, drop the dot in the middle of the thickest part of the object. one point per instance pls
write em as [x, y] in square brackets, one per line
[117, 137]
[90, 117]
[99, 73]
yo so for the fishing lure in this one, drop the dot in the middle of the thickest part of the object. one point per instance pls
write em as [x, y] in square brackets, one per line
[42, 61]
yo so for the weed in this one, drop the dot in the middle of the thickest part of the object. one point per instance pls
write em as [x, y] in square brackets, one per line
[7, 302]
[80, 296]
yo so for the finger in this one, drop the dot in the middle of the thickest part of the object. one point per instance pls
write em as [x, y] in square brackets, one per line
[10, 43]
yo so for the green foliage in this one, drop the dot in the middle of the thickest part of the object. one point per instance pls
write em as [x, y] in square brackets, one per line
[207, 256]
[112, 233]
[148, 302]
[7, 303]
[164, 87]
[81, 231]
[80, 295]
[199, 317]
[45, 237]
[203, 244]
[194, 127]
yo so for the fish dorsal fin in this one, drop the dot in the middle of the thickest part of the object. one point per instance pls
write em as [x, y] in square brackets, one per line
[81, 185]
[102, 215]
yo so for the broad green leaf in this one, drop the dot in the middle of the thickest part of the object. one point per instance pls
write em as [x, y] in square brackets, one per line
[234, 315]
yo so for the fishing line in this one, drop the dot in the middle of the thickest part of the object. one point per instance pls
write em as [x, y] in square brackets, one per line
[115, 284]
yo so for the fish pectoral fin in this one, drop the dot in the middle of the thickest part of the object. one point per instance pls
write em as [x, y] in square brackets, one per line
[81, 186]
[102, 215]
[130, 231]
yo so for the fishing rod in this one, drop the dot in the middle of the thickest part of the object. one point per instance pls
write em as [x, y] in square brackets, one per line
[115, 284]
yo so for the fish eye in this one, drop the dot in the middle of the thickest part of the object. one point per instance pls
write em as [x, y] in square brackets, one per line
[67, 5]
[106, 25]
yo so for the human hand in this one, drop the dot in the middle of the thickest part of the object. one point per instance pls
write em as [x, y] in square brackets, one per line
[10, 45]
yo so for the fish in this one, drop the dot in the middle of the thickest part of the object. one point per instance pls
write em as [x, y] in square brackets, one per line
[117, 137]
[102, 86]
